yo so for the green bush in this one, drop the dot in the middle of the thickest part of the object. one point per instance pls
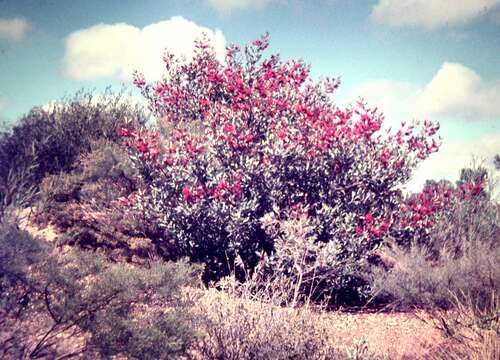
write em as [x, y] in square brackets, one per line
[126, 311]
[101, 309]
[99, 178]
[86, 205]
[417, 280]
[48, 141]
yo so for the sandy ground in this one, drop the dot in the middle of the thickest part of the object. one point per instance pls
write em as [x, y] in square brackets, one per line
[396, 335]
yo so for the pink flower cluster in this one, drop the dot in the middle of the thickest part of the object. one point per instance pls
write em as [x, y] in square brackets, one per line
[372, 227]
[223, 190]
[421, 210]
[144, 142]
[250, 115]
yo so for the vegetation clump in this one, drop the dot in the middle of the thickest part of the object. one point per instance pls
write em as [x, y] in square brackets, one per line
[255, 181]
[238, 140]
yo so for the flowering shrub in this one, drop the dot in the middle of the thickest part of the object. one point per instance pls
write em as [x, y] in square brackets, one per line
[234, 140]
[447, 246]
[442, 207]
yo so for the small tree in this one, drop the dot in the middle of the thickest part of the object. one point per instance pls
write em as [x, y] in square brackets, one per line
[235, 139]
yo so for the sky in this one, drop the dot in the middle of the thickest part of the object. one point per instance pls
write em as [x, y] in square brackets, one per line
[414, 59]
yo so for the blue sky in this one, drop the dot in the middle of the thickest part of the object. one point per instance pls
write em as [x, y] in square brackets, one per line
[437, 59]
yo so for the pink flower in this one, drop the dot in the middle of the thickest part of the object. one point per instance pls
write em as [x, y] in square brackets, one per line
[186, 192]
[199, 192]
[368, 218]
[281, 133]
[139, 80]
[142, 146]
[229, 129]
[375, 231]
[236, 189]
[262, 43]
[221, 185]
[385, 157]
[384, 226]
[168, 161]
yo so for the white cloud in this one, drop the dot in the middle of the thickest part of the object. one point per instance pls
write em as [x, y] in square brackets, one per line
[453, 156]
[14, 29]
[3, 106]
[391, 97]
[227, 6]
[115, 50]
[431, 14]
[454, 91]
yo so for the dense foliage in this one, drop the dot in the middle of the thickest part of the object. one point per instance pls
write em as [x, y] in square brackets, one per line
[49, 139]
[239, 139]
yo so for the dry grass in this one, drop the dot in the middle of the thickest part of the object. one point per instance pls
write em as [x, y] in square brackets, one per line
[240, 328]
[472, 330]
[240, 324]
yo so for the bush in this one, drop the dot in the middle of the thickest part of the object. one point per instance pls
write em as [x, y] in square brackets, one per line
[242, 329]
[236, 140]
[451, 245]
[47, 141]
[54, 306]
[99, 178]
[133, 312]
[85, 205]
[444, 215]
[240, 323]
[417, 280]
